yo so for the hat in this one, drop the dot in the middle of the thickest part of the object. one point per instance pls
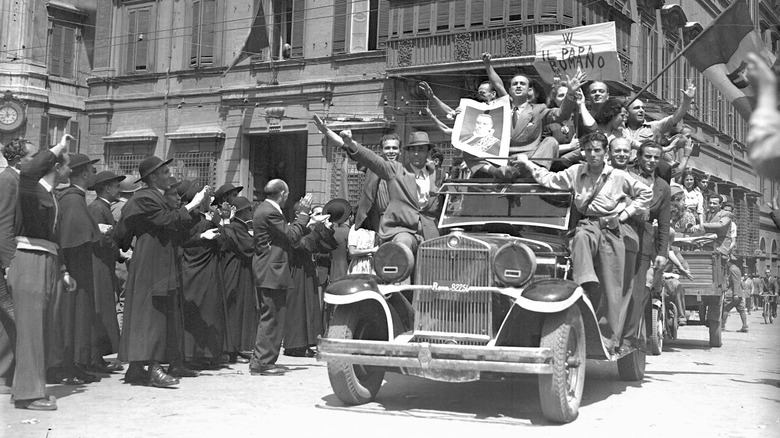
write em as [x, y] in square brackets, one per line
[106, 177]
[149, 165]
[193, 190]
[339, 210]
[128, 186]
[675, 189]
[183, 187]
[78, 160]
[173, 183]
[419, 138]
[223, 190]
[241, 203]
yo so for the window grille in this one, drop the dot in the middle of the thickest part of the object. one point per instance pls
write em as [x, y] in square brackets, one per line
[124, 164]
[200, 167]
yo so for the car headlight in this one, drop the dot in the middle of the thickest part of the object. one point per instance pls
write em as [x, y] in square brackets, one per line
[393, 262]
[514, 264]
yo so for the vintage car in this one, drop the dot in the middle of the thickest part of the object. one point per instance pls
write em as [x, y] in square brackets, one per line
[490, 297]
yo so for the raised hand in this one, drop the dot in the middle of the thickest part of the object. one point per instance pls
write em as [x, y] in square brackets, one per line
[576, 82]
[64, 140]
[426, 89]
[306, 202]
[690, 89]
[759, 72]
[486, 57]
[323, 128]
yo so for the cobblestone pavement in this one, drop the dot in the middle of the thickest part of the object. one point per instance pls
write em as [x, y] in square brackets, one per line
[690, 390]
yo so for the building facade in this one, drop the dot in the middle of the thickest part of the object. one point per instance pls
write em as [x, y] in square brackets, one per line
[227, 88]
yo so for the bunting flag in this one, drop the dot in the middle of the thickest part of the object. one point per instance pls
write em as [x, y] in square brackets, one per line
[256, 40]
[719, 53]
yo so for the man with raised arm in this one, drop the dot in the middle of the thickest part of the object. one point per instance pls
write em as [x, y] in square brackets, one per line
[605, 198]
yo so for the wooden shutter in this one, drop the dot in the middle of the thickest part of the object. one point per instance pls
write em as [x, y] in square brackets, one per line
[132, 26]
[196, 5]
[68, 52]
[496, 12]
[548, 11]
[339, 26]
[515, 11]
[477, 13]
[424, 22]
[443, 16]
[43, 141]
[568, 12]
[383, 23]
[298, 25]
[209, 17]
[142, 45]
[408, 20]
[74, 131]
[55, 51]
[459, 14]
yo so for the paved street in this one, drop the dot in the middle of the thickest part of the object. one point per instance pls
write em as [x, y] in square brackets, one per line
[691, 389]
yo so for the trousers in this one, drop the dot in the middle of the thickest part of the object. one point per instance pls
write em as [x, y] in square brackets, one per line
[270, 327]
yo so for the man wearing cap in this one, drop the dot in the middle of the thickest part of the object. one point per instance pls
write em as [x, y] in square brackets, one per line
[734, 297]
[16, 152]
[37, 274]
[105, 333]
[79, 235]
[150, 333]
[240, 297]
[274, 238]
[414, 206]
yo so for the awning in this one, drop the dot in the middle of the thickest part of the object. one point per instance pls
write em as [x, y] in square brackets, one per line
[140, 135]
[186, 133]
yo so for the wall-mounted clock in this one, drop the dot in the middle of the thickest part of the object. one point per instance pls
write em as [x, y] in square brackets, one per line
[11, 116]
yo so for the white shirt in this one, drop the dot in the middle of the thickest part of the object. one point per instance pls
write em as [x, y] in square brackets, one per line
[423, 180]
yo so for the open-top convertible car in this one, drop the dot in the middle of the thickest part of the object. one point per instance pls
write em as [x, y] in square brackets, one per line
[493, 296]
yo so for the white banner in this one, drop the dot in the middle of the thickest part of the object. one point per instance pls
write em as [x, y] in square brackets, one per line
[592, 48]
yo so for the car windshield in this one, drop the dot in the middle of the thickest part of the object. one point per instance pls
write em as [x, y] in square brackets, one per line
[515, 204]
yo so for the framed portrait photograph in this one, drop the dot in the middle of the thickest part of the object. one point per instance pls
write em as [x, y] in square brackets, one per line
[483, 129]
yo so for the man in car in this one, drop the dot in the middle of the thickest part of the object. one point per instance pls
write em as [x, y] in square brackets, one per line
[605, 198]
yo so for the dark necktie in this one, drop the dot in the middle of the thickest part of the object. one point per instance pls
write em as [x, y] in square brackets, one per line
[515, 113]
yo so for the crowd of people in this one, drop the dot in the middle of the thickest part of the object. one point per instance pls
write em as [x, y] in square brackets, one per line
[209, 277]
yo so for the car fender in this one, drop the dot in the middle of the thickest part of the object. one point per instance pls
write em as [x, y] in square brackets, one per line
[549, 296]
[354, 289]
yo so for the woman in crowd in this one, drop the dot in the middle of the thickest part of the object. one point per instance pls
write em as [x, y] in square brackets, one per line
[694, 201]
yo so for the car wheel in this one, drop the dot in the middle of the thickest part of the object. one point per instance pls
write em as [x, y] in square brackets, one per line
[561, 391]
[656, 331]
[631, 367]
[356, 384]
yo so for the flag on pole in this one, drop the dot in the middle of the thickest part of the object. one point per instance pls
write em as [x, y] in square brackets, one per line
[256, 38]
[720, 53]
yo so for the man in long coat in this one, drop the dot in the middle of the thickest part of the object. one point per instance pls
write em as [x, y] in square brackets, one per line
[150, 334]
[105, 333]
[79, 233]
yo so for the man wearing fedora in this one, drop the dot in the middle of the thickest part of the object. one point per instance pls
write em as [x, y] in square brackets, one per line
[274, 238]
[36, 275]
[79, 235]
[151, 331]
[16, 152]
[226, 193]
[414, 206]
[105, 333]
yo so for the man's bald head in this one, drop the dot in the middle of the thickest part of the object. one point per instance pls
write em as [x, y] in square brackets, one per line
[619, 152]
[276, 189]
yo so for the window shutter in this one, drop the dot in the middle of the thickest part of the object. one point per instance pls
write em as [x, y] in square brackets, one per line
[68, 52]
[424, 22]
[195, 33]
[459, 14]
[568, 12]
[515, 11]
[496, 12]
[549, 11]
[408, 22]
[43, 142]
[339, 26]
[477, 12]
[55, 51]
[141, 53]
[132, 27]
[443, 16]
[383, 25]
[298, 25]
[209, 16]
[74, 131]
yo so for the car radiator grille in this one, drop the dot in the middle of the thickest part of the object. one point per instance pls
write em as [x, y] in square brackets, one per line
[441, 316]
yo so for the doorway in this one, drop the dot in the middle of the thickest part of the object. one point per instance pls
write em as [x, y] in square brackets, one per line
[283, 156]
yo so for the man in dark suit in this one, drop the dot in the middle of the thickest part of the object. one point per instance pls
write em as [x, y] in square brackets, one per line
[653, 243]
[152, 330]
[105, 333]
[79, 232]
[274, 238]
[375, 198]
[36, 275]
[16, 152]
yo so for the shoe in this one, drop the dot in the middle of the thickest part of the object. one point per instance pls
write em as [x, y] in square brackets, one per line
[102, 366]
[182, 371]
[682, 322]
[159, 378]
[267, 370]
[241, 359]
[136, 375]
[743, 330]
[61, 376]
[41, 404]
[299, 352]
[86, 377]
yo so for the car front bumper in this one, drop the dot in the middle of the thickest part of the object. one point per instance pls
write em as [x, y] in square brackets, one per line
[426, 356]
